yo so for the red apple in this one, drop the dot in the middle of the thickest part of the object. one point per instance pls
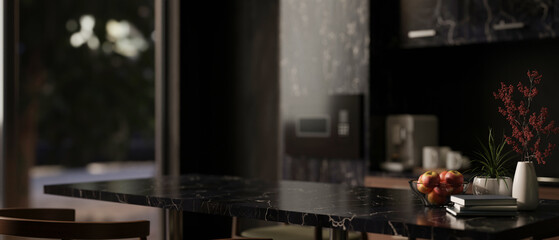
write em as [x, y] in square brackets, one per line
[422, 188]
[435, 198]
[451, 190]
[457, 189]
[454, 178]
[441, 176]
[443, 189]
[429, 179]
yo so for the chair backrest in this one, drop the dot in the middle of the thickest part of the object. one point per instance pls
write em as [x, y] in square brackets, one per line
[58, 223]
[58, 214]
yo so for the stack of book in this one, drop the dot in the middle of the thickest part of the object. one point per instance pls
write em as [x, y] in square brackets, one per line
[482, 205]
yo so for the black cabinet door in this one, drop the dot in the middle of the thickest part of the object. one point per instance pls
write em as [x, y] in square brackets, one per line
[418, 23]
[511, 20]
[425, 23]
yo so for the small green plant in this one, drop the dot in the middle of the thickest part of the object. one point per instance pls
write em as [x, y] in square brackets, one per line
[493, 161]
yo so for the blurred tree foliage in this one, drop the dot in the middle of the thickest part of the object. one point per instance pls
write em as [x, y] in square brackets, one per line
[82, 104]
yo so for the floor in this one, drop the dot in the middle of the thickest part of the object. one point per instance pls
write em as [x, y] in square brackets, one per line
[92, 210]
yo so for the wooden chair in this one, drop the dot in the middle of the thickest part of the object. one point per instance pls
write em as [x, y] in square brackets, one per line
[61, 224]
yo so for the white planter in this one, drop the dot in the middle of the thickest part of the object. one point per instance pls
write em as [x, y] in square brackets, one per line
[525, 186]
[492, 186]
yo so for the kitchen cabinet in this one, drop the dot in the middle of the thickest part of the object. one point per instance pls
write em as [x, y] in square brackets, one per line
[425, 23]
[511, 20]
[417, 26]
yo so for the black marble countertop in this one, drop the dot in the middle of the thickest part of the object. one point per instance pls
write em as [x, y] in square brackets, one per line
[388, 211]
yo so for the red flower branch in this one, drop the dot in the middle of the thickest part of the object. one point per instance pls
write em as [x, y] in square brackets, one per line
[530, 132]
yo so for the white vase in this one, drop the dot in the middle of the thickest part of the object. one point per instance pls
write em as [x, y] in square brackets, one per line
[492, 186]
[525, 186]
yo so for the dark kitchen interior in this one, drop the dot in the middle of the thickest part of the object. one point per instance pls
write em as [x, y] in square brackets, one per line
[295, 90]
[455, 83]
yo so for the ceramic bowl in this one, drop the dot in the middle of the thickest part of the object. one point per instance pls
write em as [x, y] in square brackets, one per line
[436, 200]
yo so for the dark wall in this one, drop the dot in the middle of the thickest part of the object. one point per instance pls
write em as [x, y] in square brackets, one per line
[229, 86]
[229, 96]
[207, 75]
[456, 84]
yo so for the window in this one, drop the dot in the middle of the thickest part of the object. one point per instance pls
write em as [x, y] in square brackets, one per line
[86, 92]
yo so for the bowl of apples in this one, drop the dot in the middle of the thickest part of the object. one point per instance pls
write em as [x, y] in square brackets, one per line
[435, 189]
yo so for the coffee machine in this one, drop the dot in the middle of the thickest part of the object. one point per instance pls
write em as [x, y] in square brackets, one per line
[406, 135]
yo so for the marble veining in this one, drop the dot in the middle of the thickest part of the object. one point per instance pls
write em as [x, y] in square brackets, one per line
[479, 21]
[387, 211]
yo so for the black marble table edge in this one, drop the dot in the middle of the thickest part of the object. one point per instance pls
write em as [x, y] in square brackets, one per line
[544, 228]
